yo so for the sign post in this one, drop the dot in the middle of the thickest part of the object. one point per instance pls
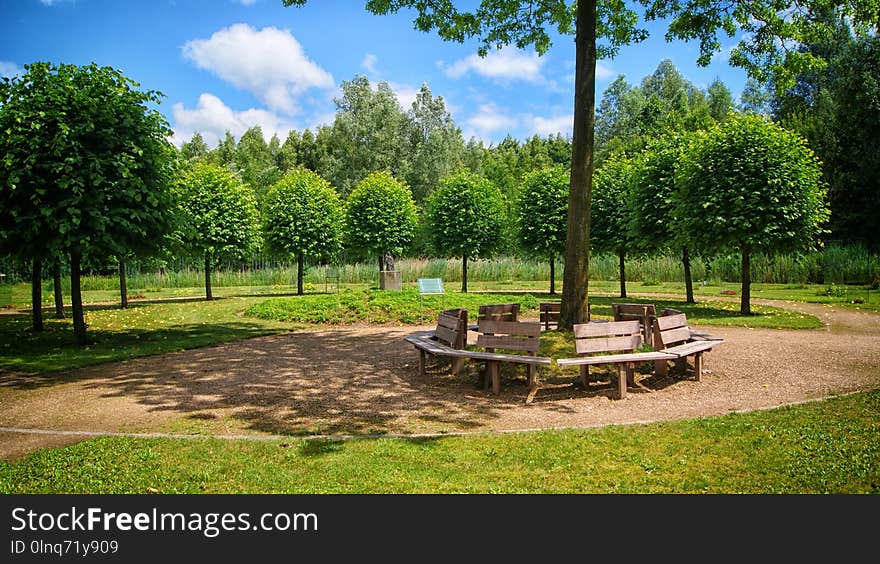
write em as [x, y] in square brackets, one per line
[430, 287]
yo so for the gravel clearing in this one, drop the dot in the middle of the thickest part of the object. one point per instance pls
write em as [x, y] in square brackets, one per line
[363, 380]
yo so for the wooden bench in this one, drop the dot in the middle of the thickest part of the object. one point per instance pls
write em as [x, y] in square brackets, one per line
[672, 335]
[643, 313]
[506, 335]
[517, 336]
[622, 338]
[498, 312]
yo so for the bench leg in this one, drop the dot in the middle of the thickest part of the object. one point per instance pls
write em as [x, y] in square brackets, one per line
[496, 377]
[621, 381]
[457, 365]
[422, 370]
[532, 371]
[585, 375]
[630, 374]
[698, 366]
[660, 368]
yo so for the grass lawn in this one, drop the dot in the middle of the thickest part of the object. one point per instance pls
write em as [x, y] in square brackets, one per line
[832, 446]
[152, 328]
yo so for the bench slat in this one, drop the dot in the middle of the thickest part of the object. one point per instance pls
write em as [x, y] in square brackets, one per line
[608, 344]
[518, 328]
[671, 321]
[603, 329]
[691, 348]
[616, 358]
[508, 342]
[448, 336]
[675, 335]
[448, 321]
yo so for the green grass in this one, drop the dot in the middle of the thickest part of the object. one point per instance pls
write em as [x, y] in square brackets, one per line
[370, 306]
[119, 334]
[831, 446]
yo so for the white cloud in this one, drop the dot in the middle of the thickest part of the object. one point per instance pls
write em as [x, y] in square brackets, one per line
[506, 64]
[604, 71]
[270, 63]
[406, 95]
[552, 125]
[9, 69]
[246, 2]
[212, 119]
[489, 119]
[369, 63]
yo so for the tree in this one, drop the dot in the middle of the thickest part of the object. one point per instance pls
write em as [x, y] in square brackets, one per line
[367, 135]
[654, 202]
[87, 167]
[381, 216]
[610, 209]
[219, 219]
[256, 162]
[466, 217]
[764, 51]
[753, 186]
[720, 100]
[303, 218]
[541, 212]
[194, 149]
[435, 143]
[755, 98]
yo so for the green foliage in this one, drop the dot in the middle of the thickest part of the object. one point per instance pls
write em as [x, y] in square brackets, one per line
[609, 211]
[86, 164]
[654, 197]
[750, 183]
[466, 216]
[218, 213]
[542, 208]
[303, 216]
[381, 216]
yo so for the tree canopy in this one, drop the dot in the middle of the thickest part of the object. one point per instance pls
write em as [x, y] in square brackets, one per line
[303, 218]
[750, 185]
[466, 218]
[541, 212]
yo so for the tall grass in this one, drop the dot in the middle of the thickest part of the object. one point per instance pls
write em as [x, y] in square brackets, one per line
[835, 264]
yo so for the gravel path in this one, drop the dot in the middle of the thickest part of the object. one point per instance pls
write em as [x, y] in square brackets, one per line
[364, 380]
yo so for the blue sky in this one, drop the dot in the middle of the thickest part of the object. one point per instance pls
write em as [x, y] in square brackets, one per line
[231, 64]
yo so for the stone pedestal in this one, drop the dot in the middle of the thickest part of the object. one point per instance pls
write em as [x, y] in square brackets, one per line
[390, 280]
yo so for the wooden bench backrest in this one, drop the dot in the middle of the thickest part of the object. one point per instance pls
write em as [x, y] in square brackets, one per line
[549, 313]
[499, 312]
[614, 336]
[669, 330]
[509, 335]
[452, 327]
[630, 312]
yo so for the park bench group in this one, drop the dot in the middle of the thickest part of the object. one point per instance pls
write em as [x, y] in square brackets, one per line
[618, 342]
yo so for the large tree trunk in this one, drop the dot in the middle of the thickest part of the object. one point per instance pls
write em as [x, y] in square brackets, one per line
[299, 274]
[123, 285]
[576, 271]
[622, 266]
[745, 306]
[79, 320]
[37, 295]
[688, 280]
[464, 275]
[56, 286]
[553, 276]
[208, 294]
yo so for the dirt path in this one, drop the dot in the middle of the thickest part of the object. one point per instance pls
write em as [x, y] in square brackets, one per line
[364, 380]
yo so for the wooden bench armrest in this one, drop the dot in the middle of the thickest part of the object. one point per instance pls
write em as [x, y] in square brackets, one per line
[616, 358]
[692, 347]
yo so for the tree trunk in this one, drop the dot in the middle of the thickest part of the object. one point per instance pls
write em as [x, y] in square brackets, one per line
[208, 294]
[464, 275]
[79, 320]
[299, 274]
[688, 280]
[37, 295]
[123, 286]
[745, 306]
[59, 294]
[576, 270]
[553, 276]
[622, 265]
